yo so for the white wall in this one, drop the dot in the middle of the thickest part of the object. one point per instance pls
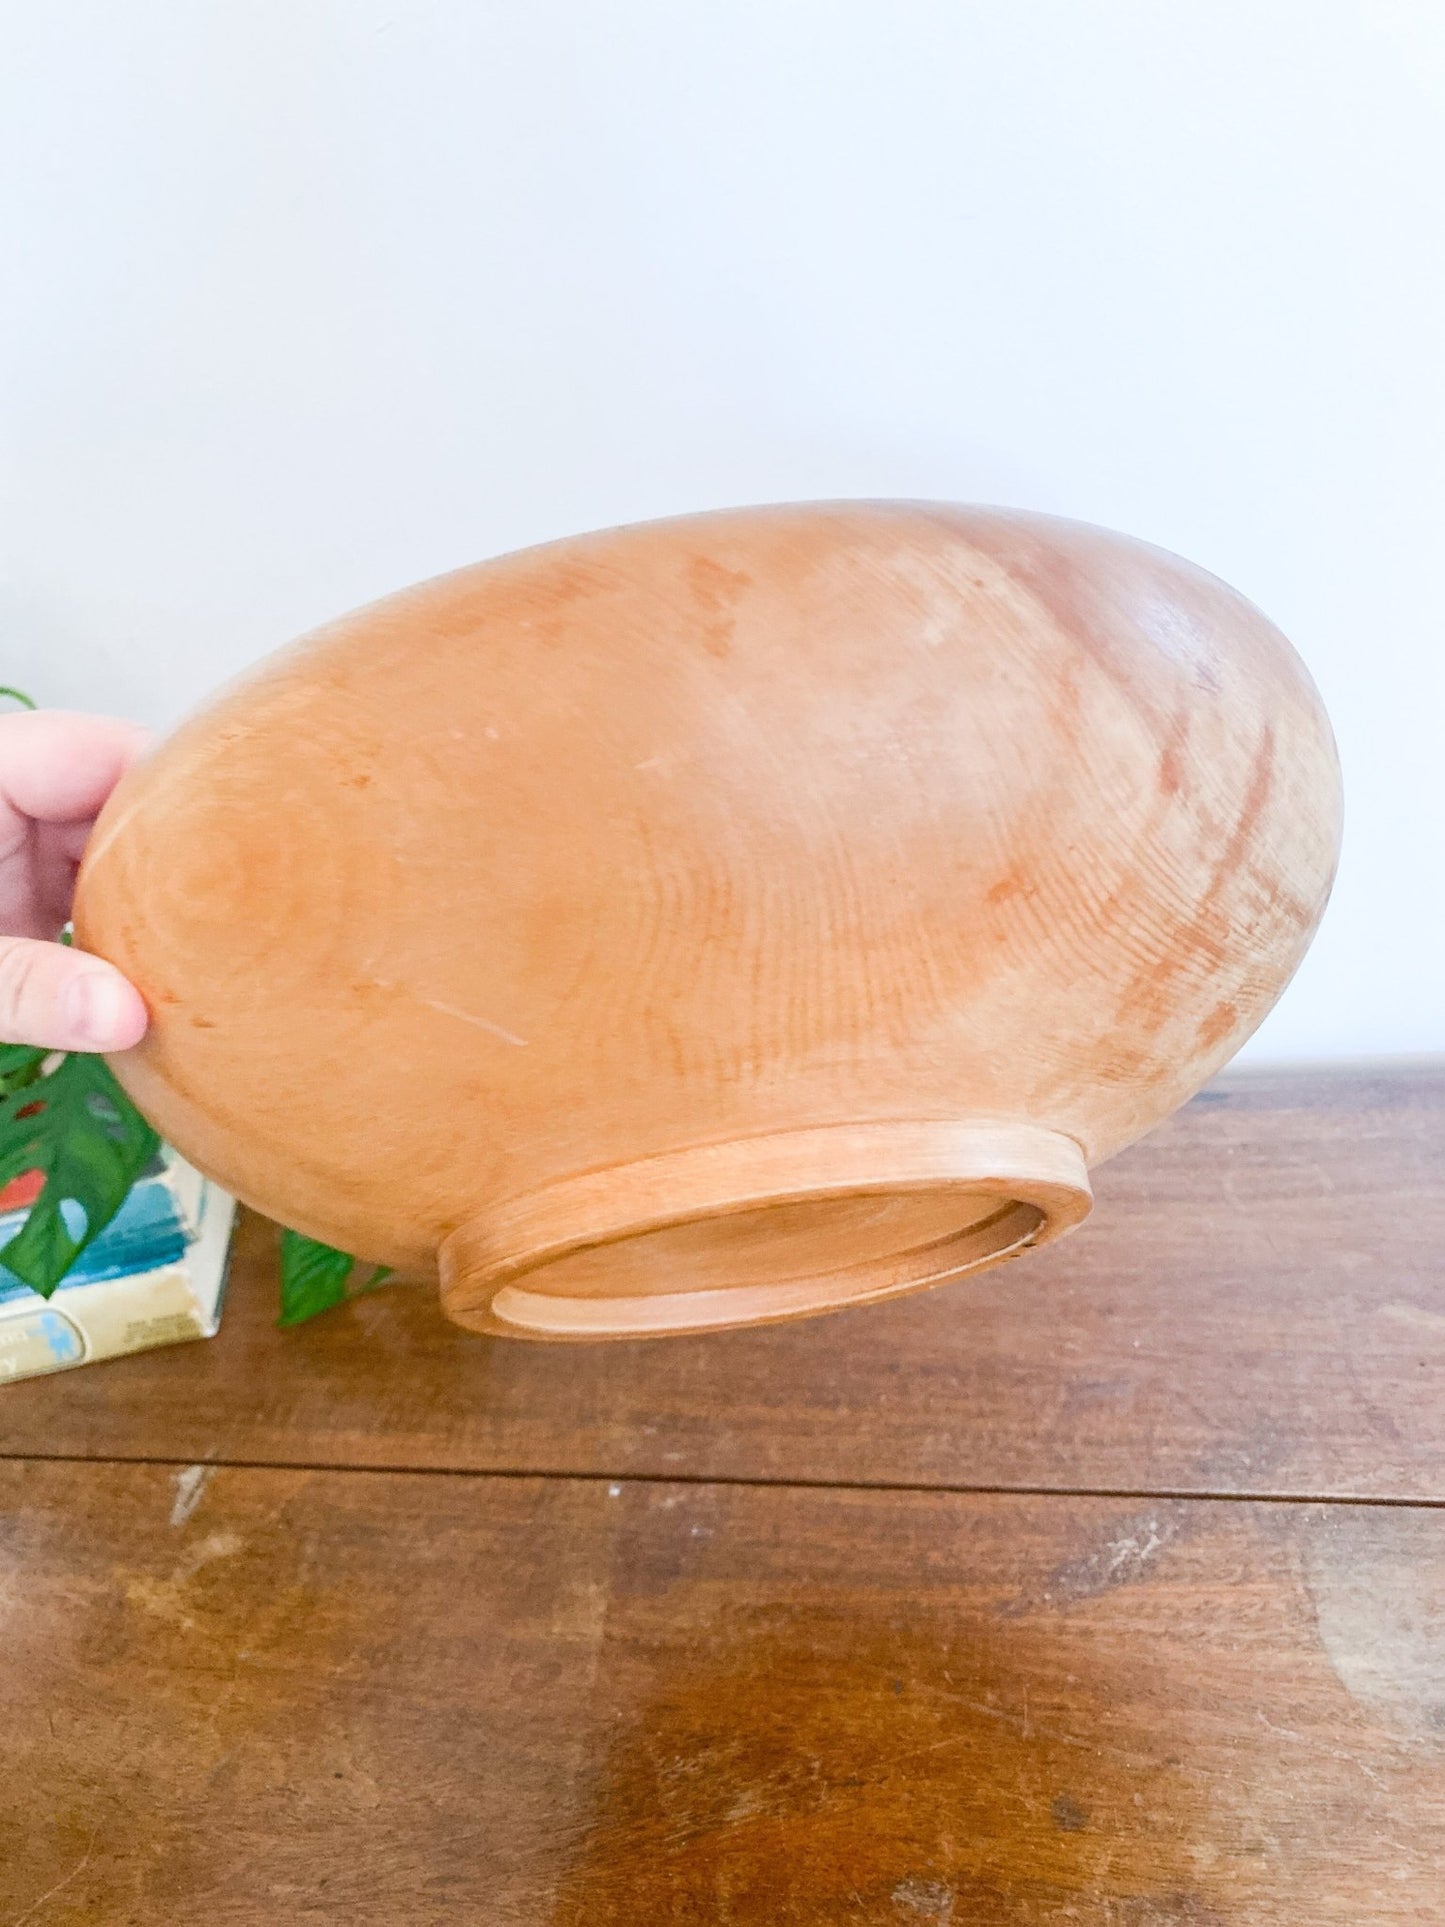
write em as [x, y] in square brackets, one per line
[304, 301]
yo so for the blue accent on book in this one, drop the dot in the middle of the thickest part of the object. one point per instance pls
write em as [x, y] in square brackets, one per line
[62, 1340]
[147, 1232]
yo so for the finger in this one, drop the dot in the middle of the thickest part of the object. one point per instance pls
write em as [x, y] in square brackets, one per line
[63, 842]
[57, 766]
[63, 999]
[52, 880]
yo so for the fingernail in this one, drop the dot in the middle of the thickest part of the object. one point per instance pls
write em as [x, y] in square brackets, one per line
[96, 1007]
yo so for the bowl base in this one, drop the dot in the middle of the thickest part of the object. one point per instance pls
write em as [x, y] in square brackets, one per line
[761, 1229]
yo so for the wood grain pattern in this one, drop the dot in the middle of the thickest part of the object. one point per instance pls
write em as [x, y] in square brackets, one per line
[236, 1696]
[1257, 1306]
[267, 1695]
[769, 910]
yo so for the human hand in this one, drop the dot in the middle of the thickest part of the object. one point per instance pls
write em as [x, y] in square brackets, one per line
[56, 770]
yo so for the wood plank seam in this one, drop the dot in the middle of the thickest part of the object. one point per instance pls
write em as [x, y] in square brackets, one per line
[1164, 1494]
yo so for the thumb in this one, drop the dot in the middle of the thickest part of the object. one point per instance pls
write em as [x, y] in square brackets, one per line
[63, 999]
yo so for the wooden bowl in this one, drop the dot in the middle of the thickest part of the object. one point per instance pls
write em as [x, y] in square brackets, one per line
[724, 919]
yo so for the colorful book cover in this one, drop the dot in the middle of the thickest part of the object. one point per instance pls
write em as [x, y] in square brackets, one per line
[155, 1276]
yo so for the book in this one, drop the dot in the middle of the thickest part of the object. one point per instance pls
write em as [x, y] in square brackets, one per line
[155, 1276]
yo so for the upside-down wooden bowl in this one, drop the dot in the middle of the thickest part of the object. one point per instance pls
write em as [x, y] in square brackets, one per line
[724, 919]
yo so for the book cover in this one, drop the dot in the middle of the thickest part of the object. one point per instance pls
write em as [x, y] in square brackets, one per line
[155, 1276]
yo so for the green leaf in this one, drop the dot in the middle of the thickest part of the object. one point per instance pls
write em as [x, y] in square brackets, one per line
[19, 1066]
[77, 1126]
[314, 1277]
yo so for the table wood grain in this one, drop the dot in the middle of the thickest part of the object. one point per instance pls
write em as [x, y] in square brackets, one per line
[1106, 1590]
[315, 1696]
[1257, 1306]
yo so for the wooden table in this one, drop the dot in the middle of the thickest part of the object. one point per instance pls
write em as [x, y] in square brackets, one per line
[1108, 1588]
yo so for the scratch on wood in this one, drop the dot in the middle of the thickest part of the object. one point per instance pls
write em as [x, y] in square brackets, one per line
[479, 1023]
[191, 1483]
[1129, 1552]
[50, 1892]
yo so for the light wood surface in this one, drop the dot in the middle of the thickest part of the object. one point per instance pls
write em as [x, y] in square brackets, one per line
[715, 921]
[703, 1646]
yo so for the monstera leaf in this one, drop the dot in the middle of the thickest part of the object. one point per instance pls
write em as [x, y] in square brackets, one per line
[66, 1117]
